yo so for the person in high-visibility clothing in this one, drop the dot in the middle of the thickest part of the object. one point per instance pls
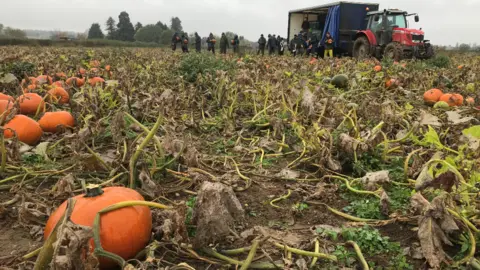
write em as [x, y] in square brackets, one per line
[328, 45]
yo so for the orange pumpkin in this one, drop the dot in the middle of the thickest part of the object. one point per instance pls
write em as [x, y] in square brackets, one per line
[391, 83]
[30, 102]
[82, 71]
[108, 67]
[44, 79]
[61, 75]
[58, 84]
[432, 96]
[125, 231]
[74, 81]
[460, 67]
[30, 88]
[6, 97]
[377, 68]
[51, 120]
[59, 94]
[27, 130]
[30, 80]
[470, 101]
[452, 99]
[96, 80]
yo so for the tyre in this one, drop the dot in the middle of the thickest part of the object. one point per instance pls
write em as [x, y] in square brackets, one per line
[429, 51]
[394, 51]
[361, 48]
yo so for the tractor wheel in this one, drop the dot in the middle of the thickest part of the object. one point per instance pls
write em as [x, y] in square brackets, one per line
[393, 51]
[429, 51]
[361, 48]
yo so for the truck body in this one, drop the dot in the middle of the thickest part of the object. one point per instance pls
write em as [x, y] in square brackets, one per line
[360, 30]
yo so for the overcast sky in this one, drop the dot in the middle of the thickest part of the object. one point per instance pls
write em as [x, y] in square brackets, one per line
[444, 21]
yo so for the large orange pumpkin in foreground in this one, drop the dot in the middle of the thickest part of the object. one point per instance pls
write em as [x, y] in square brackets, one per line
[125, 231]
[30, 102]
[28, 131]
[51, 120]
[60, 94]
[432, 96]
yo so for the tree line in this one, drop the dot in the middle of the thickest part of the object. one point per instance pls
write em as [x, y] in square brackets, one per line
[9, 32]
[124, 30]
[160, 32]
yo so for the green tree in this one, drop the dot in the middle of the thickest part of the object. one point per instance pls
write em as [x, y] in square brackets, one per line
[464, 47]
[111, 28]
[166, 37]
[138, 26]
[176, 24]
[14, 33]
[164, 26]
[1, 28]
[149, 33]
[95, 32]
[125, 29]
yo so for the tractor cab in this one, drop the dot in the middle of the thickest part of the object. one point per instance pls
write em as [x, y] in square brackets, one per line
[388, 34]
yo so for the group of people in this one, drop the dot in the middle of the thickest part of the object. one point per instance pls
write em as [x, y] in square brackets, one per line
[300, 44]
[211, 41]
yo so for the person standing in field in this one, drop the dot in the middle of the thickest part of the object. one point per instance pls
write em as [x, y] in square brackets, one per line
[236, 44]
[328, 46]
[184, 43]
[261, 45]
[278, 41]
[198, 42]
[224, 44]
[175, 40]
[271, 44]
[211, 43]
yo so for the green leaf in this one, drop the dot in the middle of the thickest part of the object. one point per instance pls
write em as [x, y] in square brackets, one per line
[473, 131]
[431, 138]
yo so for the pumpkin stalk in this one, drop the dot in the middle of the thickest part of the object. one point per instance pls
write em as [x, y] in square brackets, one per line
[136, 155]
[3, 152]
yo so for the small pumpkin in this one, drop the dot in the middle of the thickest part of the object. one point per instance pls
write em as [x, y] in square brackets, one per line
[51, 120]
[30, 88]
[470, 101]
[60, 94]
[30, 102]
[58, 84]
[391, 83]
[377, 68]
[94, 63]
[82, 71]
[74, 81]
[61, 75]
[313, 61]
[124, 232]
[6, 97]
[432, 96]
[108, 67]
[29, 81]
[27, 130]
[452, 99]
[44, 79]
[95, 80]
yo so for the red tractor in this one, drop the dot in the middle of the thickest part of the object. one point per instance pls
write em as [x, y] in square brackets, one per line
[387, 35]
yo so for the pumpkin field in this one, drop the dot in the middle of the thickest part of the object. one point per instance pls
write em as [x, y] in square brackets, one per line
[150, 159]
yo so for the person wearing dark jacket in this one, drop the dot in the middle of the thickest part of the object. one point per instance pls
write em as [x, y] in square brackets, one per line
[185, 43]
[211, 43]
[236, 44]
[224, 44]
[305, 24]
[175, 40]
[198, 42]
[261, 45]
[271, 45]
[277, 43]
[329, 43]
